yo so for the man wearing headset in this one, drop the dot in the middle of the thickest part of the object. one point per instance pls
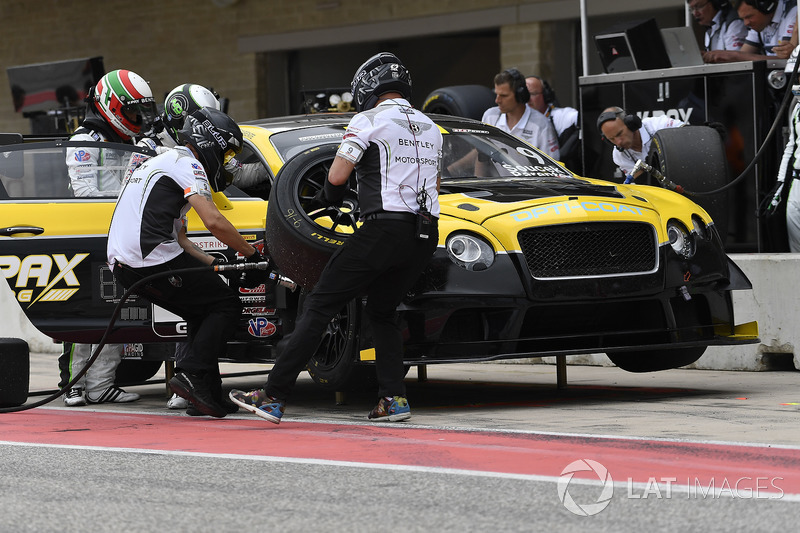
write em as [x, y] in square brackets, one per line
[564, 120]
[723, 29]
[631, 136]
[513, 114]
[772, 25]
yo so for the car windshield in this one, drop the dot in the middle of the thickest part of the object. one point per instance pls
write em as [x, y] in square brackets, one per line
[470, 150]
[60, 170]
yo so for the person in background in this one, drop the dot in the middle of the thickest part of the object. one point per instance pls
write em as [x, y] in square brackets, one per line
[772, 31]
[631, 136]
[564, 119]
[789, 171]
[118, 107]
[513, 114]
[722, 27]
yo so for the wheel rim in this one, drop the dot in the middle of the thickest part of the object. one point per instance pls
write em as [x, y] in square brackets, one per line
[340, 220]
[333, 346]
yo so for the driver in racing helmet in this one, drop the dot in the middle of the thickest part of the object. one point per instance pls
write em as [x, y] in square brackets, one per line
[119, 106]
[182, 101]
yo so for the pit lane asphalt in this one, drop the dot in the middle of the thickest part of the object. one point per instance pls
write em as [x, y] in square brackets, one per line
[45, 487]
[707, 405]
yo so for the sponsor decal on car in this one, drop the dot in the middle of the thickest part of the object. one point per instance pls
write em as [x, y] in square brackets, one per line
[261, 289]
[39, 268]
[567, 208]
[258, 311]
[261, 327]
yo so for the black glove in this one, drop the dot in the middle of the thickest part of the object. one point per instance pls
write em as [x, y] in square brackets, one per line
[329, 194]
[720, 127]
[253, 278]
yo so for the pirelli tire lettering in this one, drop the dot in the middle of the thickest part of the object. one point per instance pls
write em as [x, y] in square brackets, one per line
[301, 237]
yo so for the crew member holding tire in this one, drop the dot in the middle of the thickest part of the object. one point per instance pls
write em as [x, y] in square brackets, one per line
[145, 238]
[631, 136]
[396, 153]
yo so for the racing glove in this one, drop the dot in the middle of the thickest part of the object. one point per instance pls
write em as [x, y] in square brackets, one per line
[328, 195]
[253, 278]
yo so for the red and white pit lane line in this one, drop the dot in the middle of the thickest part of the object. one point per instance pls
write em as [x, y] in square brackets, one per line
[641, 464]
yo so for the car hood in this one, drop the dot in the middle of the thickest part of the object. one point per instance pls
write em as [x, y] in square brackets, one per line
[479, 200]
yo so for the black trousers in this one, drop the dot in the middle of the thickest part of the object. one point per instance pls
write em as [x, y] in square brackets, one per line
[211, 310]
[382, 260]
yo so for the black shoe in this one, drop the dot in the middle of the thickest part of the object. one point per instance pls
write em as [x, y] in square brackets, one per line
[195, 389]
[229, 406]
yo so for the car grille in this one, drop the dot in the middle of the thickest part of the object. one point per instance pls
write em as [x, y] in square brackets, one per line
[589, 249]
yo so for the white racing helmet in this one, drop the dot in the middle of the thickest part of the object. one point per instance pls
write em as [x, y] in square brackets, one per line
[184, 100]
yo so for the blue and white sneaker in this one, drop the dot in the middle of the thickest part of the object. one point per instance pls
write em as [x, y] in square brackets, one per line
[391, 409]
[258, 402]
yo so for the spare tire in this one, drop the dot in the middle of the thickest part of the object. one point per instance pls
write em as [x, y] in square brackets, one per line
[469, 101]
[15, 373]
[694, 158]
[299, 238]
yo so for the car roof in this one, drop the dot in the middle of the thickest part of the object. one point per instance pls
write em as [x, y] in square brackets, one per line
[341, 119]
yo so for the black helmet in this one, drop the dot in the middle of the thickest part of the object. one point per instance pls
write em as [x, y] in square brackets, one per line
[215, 137]
[382, 73]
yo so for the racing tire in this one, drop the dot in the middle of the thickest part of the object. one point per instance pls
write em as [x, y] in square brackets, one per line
[694, 158]
[655, 360]
[469, 101]
[300, 238]
[334, 366]
[15, 374]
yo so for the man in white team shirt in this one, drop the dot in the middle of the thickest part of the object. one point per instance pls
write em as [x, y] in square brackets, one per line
[631, 136]
[147, 236]
[513, 114]
[396, 152]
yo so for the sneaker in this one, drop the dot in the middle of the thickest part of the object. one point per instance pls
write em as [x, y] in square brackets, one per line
[257, 401]
[176, 402]
[74, 397]
[196, 390]
[391, 409]
[112, 394]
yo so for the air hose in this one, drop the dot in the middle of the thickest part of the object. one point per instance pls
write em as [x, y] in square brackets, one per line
[230, 267]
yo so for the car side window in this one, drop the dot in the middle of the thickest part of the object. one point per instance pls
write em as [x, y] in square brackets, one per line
[60, 170]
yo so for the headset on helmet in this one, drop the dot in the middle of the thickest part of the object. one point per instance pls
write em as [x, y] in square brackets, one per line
[122, 92]
[382, 73]
[214, 136]
[184, 100]
[518, 85]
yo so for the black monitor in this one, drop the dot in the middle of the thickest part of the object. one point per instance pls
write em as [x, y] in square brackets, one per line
[42, 87]
[632, 46]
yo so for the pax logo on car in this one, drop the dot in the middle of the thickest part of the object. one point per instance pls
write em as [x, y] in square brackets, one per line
[261, 327]
[39, 268]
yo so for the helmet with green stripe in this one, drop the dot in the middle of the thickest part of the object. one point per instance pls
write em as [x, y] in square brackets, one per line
[184, 100]
[125, 101]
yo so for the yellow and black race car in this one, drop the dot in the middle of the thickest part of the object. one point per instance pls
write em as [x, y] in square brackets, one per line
[532, 260]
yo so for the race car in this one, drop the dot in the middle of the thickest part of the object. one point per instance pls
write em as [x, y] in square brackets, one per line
[532, 259]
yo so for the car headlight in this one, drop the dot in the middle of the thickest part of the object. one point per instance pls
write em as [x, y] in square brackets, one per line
[470, 251]
[680, 239]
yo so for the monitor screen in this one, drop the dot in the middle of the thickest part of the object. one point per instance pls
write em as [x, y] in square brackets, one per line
[615, 54]
[45, 86]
